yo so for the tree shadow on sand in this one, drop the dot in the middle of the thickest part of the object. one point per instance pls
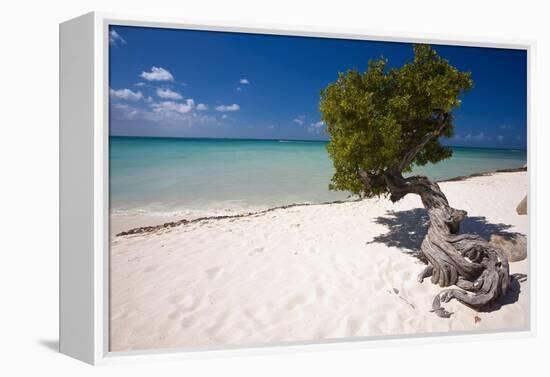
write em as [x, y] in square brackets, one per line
[407, 229]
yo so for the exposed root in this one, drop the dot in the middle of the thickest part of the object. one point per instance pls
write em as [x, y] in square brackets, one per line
[478, 268]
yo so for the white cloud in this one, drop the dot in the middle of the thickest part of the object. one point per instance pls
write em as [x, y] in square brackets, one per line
[238, 89]
[316, 128]
[139, 84]
[126, 94]
[177, 114]
[469, 137]
[225, 116]
[478, 137]
[115, 39]
[500, 137]
[165, 114]
[244, 81]
[124, 112]
[171, 106]
[176, 119]
[168, 94]
[157, 74]
[225, 108]
[202, 107]
[505, 126]
[300, 119]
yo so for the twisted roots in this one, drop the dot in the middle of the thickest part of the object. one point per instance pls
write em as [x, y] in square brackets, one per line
[468, 261]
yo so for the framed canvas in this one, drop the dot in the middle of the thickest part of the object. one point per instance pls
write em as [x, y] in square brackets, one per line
[229, 189]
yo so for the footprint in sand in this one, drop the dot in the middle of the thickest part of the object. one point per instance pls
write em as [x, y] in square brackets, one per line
[256, 319]
[256, 251]
[184, 303]
[214, 272]
[218, 324]
[174, 315]
[187, 322]
[150, 269]
[320, 291]
[353, 326]
[295, 302]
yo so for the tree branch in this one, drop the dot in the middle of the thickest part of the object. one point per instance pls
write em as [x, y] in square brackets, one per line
[410, 155]
[392, 176]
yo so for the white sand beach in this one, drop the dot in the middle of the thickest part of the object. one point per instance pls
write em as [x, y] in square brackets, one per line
[303, 273]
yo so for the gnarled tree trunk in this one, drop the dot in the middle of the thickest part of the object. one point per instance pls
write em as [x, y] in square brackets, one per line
[466, 260]
[478, 268]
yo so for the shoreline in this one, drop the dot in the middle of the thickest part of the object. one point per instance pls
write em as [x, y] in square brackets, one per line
[484, 174]
[172, 224]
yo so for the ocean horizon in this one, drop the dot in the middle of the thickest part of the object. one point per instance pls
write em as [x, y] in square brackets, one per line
[211, 176]
[276, 139]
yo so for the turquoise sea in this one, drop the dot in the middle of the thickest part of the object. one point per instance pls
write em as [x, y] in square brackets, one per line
[185, 176]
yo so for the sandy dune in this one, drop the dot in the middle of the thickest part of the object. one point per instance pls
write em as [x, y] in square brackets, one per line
[303, 273]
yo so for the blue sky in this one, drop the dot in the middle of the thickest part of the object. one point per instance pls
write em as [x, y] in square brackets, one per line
[182, 83]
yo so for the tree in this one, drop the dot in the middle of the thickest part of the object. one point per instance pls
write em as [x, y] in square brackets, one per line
[383, 122]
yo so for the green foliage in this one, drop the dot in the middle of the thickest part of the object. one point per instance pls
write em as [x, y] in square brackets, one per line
[374, 118]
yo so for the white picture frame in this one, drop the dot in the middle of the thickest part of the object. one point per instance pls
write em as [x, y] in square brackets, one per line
[84, 201]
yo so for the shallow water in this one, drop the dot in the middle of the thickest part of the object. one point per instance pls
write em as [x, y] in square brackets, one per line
[212, 176]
